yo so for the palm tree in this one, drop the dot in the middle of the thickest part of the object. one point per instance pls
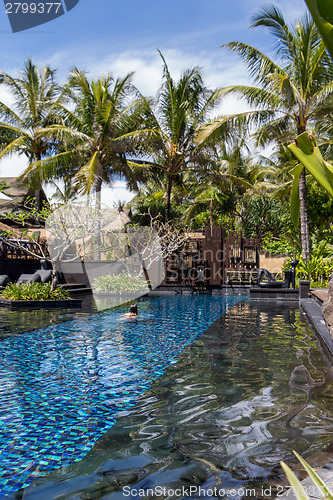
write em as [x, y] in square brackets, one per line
[207, 197]
[96, 135]
[222, 181]
[290, 96]
[29, 126]
[181, 107]
[106, 115]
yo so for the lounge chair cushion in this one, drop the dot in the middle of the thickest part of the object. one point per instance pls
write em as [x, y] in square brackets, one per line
[4, 279]
[28, 278]
[45, 275]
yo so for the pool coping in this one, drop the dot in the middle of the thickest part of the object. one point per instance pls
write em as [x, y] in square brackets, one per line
[312, 309]
[314, 314]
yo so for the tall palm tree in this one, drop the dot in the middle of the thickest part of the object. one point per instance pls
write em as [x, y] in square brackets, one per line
[96, 134]
[223, 180]
[29, 126]
[108, 111]
[290, 96]
[181, 107]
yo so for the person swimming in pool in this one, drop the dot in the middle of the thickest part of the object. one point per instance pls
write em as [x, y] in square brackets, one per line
[133, 312]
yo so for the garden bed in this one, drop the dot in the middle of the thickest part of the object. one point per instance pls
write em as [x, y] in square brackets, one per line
[47, 304]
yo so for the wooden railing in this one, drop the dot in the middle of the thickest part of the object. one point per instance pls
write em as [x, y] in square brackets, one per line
[23, 249]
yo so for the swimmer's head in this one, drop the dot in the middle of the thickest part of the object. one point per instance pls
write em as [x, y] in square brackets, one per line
[134, 309]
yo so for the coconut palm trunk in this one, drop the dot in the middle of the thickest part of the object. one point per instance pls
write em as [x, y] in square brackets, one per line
[305, 238]
[38, 191]
[168, 198]
[304, 218]
[98, 188]
[211, 215]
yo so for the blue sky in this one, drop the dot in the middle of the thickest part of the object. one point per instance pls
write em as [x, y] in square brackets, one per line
[98, 32]
[104, 36]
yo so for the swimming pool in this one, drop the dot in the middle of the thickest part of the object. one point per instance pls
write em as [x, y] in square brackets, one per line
[63, 386]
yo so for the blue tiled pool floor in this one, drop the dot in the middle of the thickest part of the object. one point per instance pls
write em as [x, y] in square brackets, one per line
[62, 386]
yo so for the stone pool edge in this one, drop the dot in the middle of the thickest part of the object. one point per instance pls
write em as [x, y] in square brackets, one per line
[313, 312]
[49, 303]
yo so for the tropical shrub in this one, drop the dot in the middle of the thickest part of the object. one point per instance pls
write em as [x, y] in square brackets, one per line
[222, 220]
[319, 267]
[120, 283]
[276, 246]
[33, 291]
[262, 215]
[154, 207]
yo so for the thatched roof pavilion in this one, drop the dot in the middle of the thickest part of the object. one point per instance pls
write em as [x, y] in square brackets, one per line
[19, 194]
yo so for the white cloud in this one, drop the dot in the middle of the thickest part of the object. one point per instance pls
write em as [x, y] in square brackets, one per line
[13, 166]
[6, 96]
[118, 192]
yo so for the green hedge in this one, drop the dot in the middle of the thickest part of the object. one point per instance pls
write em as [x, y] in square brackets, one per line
[120, 283]
[33, 291]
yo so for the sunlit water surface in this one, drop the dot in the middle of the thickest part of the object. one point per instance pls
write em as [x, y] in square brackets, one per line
[221, 408]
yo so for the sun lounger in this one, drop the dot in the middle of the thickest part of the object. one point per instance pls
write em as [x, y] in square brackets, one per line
[45, 275]
[41, 275]
[29, 278]
[4, 280]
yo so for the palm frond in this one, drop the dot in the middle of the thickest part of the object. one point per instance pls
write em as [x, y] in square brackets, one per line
[271, 17]
[15, 146]
[225, 126]
[89, 175]
[54, 167]
[257, 62]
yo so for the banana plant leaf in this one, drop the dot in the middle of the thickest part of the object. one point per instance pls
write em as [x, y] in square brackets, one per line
[322, 14]
[307, 152]
[322, 488]
[295, 483]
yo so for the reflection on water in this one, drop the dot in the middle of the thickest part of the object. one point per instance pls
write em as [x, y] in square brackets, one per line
[249, 390]
[14, 322]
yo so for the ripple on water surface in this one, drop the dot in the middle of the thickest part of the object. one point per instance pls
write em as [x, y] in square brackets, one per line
[62, 386]
[245, 393]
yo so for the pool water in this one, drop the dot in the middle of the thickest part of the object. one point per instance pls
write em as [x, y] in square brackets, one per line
[63, 386]
[228, 406]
